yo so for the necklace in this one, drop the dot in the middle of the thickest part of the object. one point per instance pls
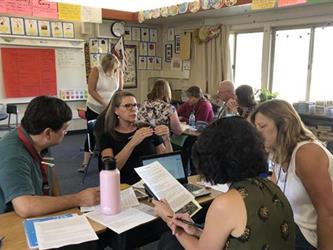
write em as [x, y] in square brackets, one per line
[285, 179]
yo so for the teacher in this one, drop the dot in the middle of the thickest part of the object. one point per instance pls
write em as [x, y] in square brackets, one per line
[103, 82]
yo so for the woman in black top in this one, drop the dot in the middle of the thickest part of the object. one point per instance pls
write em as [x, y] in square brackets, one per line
[119, 136]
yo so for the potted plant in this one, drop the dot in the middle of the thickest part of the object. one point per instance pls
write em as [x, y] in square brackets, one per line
[266, 94]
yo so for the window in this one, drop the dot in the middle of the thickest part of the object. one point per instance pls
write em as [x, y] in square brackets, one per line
[322, 77]
[290, 64]
[247, 59]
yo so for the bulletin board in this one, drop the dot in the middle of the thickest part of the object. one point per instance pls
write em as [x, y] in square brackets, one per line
[29, 68]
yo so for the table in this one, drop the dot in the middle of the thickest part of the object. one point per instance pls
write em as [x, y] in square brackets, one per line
[11, 227]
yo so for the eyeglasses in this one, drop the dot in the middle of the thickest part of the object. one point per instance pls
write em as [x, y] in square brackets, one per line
[129, 106]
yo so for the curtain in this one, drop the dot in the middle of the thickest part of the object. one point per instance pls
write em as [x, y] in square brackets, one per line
[210, 62]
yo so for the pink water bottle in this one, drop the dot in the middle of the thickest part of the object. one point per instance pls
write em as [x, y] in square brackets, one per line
[110, 187]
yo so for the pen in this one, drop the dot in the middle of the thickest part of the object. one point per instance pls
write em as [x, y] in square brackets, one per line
[200, 226]
[48, 164]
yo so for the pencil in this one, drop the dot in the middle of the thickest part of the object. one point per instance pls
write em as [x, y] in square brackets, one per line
[200, 226]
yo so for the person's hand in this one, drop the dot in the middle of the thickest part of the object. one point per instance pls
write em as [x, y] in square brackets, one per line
[141, 134]
[163, 210]
[177, 226]
[163, 131]
[88, 197]
[232, 105]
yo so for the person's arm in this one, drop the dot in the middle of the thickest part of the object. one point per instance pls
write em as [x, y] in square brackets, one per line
[182, 112]
[33, 205]
[55, 183]
[125, 153]
[312, 169]
[202, 113]
[92, 84]
[165, 147]
[175, 124]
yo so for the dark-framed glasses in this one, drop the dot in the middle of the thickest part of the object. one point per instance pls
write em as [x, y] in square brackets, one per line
[129, 106]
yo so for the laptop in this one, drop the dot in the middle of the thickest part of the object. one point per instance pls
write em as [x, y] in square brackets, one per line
[174, 164]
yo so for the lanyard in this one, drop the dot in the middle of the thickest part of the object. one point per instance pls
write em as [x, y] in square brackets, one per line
[36, 157]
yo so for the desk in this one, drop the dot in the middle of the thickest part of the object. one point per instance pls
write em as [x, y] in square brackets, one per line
[11, 227]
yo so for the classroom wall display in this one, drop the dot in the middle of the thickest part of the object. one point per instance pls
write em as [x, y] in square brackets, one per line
[68, 30]
[151, 49]
[128, 34]
[130, 77]
[4, 25]
[143, 50]
[177, 44]
[142, 62]
[31, 28]
[176, 63]
[158, 63]
[150, 63]
[56, 28]
[44, 28]
[144, 34]
[136, 34]
[168, 52]
[153, 35]
[44, 9]
[93, 45]
[171, 34]
[23, 77]
[17, 25]
[95, 60]
[103, 46]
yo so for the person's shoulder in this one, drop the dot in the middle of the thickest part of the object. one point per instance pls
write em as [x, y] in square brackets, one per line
[225, 202]
[309, 149]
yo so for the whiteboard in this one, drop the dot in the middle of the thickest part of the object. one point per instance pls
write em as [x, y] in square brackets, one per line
[70, 64]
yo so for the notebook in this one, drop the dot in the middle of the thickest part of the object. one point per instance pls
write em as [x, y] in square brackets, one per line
[174, 164]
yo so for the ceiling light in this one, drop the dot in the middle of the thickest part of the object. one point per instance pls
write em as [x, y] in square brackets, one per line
[125, 5]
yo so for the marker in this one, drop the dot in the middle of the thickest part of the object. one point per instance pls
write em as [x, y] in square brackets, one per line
[200, 226]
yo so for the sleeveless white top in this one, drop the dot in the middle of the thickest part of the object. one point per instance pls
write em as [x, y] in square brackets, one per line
[106, 87]
[304, 212]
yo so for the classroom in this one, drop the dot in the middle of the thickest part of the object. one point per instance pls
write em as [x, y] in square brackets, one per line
[172, 124]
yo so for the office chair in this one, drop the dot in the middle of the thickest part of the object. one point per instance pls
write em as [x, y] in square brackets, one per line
[12, 110]
[92, 152]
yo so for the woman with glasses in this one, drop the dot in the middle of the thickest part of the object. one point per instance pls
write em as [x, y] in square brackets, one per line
[103, 82]
[118, 135]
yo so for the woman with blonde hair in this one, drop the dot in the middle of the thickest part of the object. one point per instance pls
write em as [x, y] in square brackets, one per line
[104, 80]
[157, 110]
[303, 168]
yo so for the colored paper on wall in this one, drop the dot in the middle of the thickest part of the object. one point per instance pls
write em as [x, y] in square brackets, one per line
[22, 7]
[70, 12]
[262, 4]
[3, 7]
[185, 45]
[43, 8]
[284, 3]
[91, 15]
[24, 77]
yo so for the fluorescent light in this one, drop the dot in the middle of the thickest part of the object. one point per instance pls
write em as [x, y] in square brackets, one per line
[125, 5]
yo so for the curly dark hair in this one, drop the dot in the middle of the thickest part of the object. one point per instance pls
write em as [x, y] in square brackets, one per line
[229, 150]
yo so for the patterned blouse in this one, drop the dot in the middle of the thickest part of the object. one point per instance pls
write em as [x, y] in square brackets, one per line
[156, 112]
[270, 224]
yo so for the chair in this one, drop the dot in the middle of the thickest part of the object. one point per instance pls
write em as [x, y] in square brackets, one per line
[3, 113]
[92, 152]
[12, 110]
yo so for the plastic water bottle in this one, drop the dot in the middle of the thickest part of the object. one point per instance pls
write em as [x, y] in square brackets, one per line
[110, 187]
[191, 120]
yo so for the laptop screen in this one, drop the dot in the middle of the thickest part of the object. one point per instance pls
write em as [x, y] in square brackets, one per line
[172, 162]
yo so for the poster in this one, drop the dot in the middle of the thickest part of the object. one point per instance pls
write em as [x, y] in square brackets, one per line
[103, 46]
[95, 60]
[143, 50]
[93, 45]
[68, 29]
[69, 12]
[151, 49]
[136, 34]
[142, 62]
[176, 64]
[19, 8]
[150, 63]
[44, 8]
[153, 35]
[31, 28]
[168, 52]
[44, 28]
[56, 28]
[144, 34]
[171, 34]
[158, 63]
[177, 44]
[130, 76]
[17, 25]
[4, 25]
[128, 34]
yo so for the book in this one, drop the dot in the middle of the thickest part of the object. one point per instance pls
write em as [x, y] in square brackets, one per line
[30, 231]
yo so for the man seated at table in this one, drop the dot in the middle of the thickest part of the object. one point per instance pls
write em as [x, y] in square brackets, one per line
[196, 104]
[25, 185]
[226, 94]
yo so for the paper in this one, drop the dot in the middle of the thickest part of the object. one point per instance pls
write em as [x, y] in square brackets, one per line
[219, 187]
[62, 232]
[91, 15]
[146, 209]
[69, 12]
[122, 221]
[164, 185]
[127, 197]
[43, 8]
[262, 4]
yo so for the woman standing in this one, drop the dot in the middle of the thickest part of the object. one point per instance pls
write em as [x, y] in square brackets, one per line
[118, 136]
[303, 168]
[103, 81]
[157, 110]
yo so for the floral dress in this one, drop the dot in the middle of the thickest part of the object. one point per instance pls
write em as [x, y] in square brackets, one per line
[156, 112]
